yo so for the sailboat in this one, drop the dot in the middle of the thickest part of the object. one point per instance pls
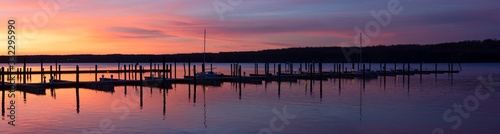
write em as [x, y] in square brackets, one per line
[207, 74]
[365, 72]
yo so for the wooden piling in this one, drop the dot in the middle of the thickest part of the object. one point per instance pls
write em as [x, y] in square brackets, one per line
[170, 71]
[24, 71]
[150, 67]
[436, 68]
[420, 68]
[175, 68]
[77, 75]
[203, 67]
[189, 66]
[279, 73]
[3, 77]
[59, 72]
[194, 75]
[96, 73]
[239, 72]
[41, 70]
[452, 66]
[140, 73]
[232, 70]
[364, 71]
[125, 72]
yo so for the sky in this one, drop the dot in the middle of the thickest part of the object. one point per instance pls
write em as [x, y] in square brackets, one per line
[60, 27]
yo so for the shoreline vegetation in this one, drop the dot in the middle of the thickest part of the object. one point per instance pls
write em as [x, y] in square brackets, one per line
[473, 51]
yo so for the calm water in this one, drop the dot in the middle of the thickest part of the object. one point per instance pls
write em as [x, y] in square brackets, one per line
[390, 105]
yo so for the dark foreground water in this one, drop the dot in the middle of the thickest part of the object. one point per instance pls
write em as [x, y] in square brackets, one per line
[466, 102]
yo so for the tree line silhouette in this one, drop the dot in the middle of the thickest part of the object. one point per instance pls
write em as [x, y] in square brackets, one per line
[465, 51]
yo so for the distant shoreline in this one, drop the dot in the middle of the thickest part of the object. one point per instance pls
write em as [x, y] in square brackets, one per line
[486, 51]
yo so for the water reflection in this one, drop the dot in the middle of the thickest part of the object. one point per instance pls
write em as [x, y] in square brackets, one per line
[374, 103]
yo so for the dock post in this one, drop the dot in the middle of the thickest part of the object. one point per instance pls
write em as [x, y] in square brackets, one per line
[310, 72]
[364, 71]
[385, 69]
[395, 66]
[170, 70]
[279, 73]
[320, 66]
[203, 67]
[164, 68]
[231, 69]
[255, 69]
[436, 68]
[451, 67]
[420, 68]
[300, 68]
[24, 72]
[211, 69]
[189, 66]
[409, 69]
[124, 72]
[96, 72]
[194, 75]
[404, 70]
[51, 73]
[3, 77]
[274, 72]
[239, 72]
[194, 84]
[175, 68]
[77, 75]
[140, 73]
[41, 70]
[59, 72]
[150, 67]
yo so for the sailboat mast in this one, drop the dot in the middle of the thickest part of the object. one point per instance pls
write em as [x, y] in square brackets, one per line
[204, 43]
[360, 46]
